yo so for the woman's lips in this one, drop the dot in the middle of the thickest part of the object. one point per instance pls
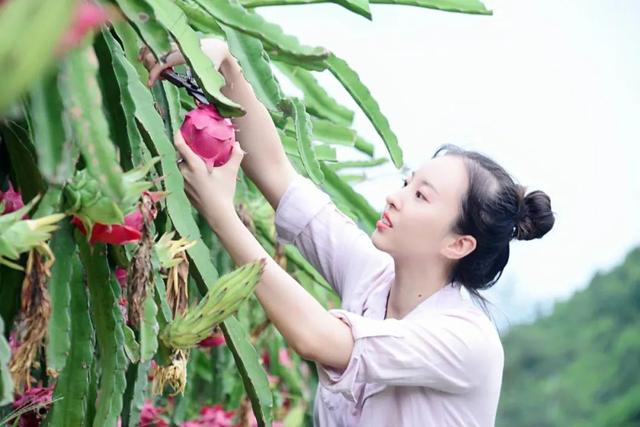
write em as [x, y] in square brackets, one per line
[381, 224]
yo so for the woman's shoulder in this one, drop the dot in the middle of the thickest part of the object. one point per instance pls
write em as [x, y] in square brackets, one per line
[469, 323]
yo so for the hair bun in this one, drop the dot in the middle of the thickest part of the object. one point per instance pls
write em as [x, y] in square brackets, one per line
[535, 218]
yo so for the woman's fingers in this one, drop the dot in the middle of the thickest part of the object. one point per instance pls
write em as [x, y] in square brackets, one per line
[156, 72]
[190, 158]
[237, 155]
[157, 67]
[146, 57]
[172, 59]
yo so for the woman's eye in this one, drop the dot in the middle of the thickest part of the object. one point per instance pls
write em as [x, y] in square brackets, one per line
[405, 183]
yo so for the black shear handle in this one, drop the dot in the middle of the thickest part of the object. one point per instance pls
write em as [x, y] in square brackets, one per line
[189, 83]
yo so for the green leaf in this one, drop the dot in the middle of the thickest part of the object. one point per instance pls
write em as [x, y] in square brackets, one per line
[235, 16]
[295, 417]
[138, 151]
[149, 328]
[138, 381]
[175, 21]
[73, 382]
[23, 160]
[361, 7]
[331, 133]
[104, 291]
[368, 104]
[58, 337]
[56, 154]
[131, 45]
[255, 65]
[131, 346]
[463, 6]
[318, 102]
[141, 16]
[6, 383]
[83, 103]
[358, 164]
[321, 151]
[353, 178]
[199, 19]
[254, 378]
[345, 197]
[29, 34]
[302, 126]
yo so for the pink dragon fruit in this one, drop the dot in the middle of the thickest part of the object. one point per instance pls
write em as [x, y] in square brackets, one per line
[208, 134]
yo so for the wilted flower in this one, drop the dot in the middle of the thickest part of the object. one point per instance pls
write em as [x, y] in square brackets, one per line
[121, 275]
[115, 234]
[213, 340]
[215, 416]
[284, 359]
[118, 234]
[12, 201]
[34, 396]
[150, 416]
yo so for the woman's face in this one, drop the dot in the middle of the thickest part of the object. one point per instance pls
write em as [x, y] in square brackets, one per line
[422, 213]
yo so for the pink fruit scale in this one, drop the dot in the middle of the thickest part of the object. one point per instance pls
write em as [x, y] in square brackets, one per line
[208, 134]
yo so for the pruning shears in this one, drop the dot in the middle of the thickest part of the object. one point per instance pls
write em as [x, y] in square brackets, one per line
[186, 81]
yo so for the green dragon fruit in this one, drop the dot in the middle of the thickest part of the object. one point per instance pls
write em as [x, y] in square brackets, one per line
[84, 198]
[221, 301]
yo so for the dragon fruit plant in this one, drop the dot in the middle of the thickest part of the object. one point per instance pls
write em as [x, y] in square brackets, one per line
[116, 297]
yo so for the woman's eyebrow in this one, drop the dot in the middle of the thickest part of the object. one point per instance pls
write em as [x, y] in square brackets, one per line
[427, 183]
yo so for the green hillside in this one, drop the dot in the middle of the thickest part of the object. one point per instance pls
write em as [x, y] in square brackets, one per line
[580, 366]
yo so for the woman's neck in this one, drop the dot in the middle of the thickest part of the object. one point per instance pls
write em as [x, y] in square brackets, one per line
[414, 282]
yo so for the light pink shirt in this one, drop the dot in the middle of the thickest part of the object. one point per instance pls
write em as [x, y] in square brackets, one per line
[440, 365]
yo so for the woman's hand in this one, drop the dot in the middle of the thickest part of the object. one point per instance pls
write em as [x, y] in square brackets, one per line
[217, 51]
[211, 190]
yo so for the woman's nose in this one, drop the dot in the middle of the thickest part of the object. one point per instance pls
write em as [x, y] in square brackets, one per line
[393, 200]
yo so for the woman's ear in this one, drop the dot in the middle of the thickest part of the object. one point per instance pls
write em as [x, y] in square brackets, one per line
[460, 246]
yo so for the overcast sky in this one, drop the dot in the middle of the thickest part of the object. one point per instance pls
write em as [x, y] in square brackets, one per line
[550, 90]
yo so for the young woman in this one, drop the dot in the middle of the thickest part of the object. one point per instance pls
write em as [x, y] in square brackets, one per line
[406, 349]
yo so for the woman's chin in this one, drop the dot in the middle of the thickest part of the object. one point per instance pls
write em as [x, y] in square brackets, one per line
[379, 241]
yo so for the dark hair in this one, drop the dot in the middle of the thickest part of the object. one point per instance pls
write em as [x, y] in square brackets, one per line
[494, 210]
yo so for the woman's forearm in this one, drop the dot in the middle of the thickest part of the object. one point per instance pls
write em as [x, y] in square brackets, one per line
[306, 326]
[266, 163]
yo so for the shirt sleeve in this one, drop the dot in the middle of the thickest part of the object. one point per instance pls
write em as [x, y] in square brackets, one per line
[331, 241]
[447, 352]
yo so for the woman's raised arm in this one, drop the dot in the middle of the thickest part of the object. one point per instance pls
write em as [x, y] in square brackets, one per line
[266, 163]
